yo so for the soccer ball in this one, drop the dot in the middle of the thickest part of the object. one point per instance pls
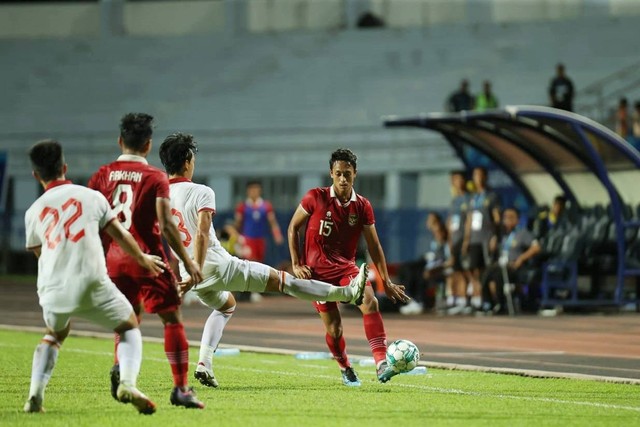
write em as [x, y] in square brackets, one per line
[402, 355]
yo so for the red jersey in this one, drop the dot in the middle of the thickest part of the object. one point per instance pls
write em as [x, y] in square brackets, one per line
[132, 186]
[333, 231]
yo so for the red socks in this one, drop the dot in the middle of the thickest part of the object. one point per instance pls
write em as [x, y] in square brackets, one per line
[338, 348]
[177, 350]
[374, 330]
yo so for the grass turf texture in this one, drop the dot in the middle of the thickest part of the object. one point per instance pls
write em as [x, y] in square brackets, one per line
[274, 390]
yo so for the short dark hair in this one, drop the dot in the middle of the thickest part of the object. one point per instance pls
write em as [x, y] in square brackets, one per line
[136, 129]
[176, 149]
[460, 172]
[483, 169]
[47, 159]
[253, 182]
[345, 155]
[560, 199]
[512, 208]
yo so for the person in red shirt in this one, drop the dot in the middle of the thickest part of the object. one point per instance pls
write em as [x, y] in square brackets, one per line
[335, 218]
[139, 195]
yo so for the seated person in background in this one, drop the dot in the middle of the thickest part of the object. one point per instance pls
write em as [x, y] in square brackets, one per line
[417, 275]
[554, 218]
[516, 247]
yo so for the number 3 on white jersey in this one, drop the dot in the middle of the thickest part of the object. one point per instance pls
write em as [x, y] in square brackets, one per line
[325, 228]
[121, 200]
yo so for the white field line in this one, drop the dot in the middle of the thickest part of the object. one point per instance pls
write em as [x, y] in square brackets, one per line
[440, 390]
[438, 365]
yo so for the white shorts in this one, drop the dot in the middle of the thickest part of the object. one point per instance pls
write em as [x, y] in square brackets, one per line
[224, 272]
[105, 305]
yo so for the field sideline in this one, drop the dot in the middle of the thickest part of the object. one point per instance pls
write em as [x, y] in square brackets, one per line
[267, 389]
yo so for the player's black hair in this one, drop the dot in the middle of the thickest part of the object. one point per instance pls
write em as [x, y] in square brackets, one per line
[345, 155]
[47, 159]
[253, 182]
[176, 149]
[136, 129]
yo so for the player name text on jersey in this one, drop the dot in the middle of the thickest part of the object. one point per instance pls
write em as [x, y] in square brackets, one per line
[125, 176]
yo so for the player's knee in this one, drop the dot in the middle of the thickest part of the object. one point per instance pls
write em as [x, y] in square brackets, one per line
[369, 304]
[334, 330]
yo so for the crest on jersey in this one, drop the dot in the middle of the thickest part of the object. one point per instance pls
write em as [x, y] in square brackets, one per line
[328, 214]
[353, 219]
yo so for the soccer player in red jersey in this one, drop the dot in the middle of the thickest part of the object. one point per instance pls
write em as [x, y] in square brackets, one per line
[336, 217]
[139, 195]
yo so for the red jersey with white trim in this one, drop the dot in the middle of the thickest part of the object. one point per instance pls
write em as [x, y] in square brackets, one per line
[132, 186]
[333, 231]
[65, 222]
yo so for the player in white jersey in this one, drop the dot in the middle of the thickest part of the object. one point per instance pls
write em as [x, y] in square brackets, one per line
[193, 206]
[63, 230]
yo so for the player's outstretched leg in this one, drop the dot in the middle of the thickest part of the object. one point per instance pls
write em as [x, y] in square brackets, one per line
[44, 360]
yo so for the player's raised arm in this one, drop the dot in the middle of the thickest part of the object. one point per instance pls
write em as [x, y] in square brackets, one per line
[125, 240]
[170, 232]
[393, 291]
[300, 217]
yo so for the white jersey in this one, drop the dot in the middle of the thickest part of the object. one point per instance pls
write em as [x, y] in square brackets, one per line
[65, 222]
[188, 199]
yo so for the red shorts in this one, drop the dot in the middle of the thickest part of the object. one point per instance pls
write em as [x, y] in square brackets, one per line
[159, 294]
[327, 306]
[258, 248]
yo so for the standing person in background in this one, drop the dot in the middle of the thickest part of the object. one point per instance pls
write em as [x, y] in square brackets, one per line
[486, 100]
[252, 218]
[139, 195]
[456, 298]
[482, 223]
[622, 118]
[460, 100]
[63, 230]
[335, 218]
[561, 90]
[635, 125]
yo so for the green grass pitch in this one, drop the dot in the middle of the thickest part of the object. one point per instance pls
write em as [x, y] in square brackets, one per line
[276, 390]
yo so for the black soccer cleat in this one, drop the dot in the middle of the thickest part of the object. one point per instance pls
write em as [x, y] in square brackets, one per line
[186, 398]
[350, 378]
[115, 381]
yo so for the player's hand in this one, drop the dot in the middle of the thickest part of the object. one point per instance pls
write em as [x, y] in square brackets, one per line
[302, 271]
[153, 263]
[194, 271]
[184, 286]
[396, 293]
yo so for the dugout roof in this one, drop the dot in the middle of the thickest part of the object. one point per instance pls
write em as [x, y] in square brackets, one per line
[544, 150]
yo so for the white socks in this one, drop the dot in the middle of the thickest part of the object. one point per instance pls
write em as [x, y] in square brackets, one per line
[212, 334]
[44, 360]
[312, 290]
[130, 356]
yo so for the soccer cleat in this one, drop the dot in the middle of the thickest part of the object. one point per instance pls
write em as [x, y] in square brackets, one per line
[130, 394]
[205, 377]
[115, 380]
[358, 284]
[186, 398]
[385, 372]
[34, 404]
[350, 378]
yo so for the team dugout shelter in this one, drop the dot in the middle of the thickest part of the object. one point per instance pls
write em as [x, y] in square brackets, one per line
[595, 259]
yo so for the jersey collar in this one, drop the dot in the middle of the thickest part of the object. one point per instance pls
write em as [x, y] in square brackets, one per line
[56, 183]
[353, 198]
[132, 158]
[178, 179]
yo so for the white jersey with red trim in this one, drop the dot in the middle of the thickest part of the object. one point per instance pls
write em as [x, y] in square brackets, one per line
[188, 199]
[65, 222]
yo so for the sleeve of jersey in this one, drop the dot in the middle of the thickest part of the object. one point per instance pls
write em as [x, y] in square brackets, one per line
[93, 181]
[105, 213]
[207, 200]
[162, 186]
[369, 218]
[308, 202]
[32, 239]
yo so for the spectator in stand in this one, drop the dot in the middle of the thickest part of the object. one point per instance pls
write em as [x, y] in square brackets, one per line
[635, 128]
[516, 247]
[561, 90]
[456, 293]
[481, 226]
[622, 118]
[252, 218]
[486, 100]
[461, 99]
[417, 275]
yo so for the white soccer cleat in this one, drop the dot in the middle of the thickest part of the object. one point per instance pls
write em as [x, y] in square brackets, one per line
[130, 394]
[358, 284]
[205, 377]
